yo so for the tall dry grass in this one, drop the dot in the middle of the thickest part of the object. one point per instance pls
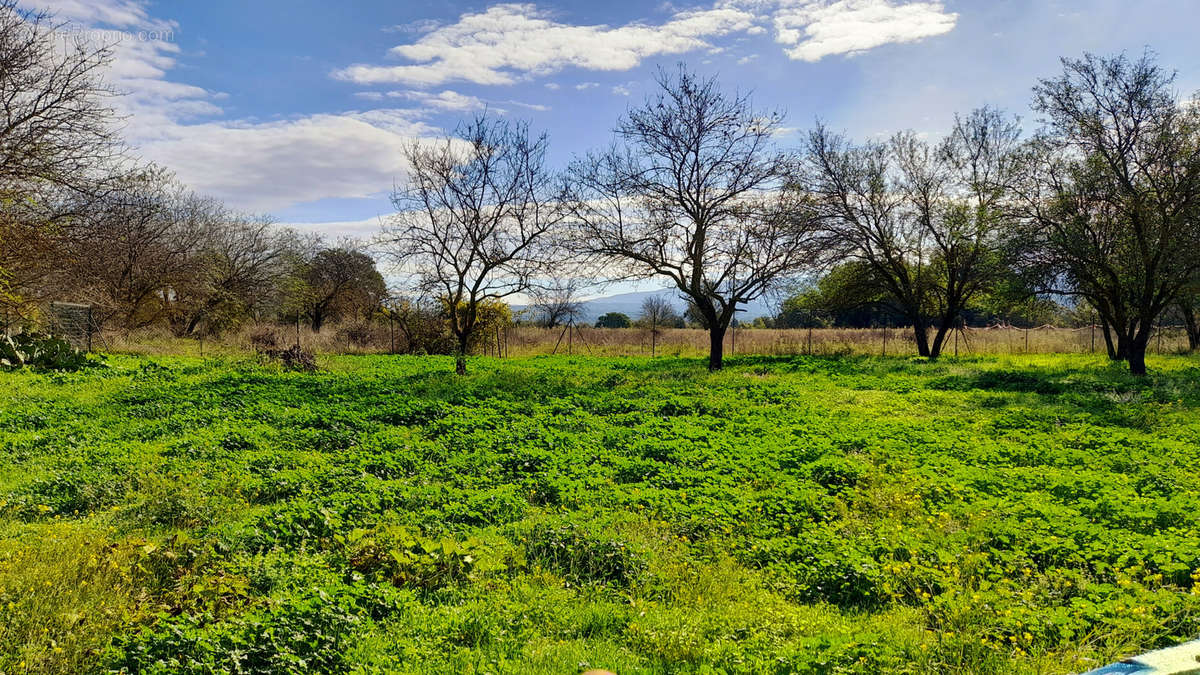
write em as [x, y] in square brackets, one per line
[532, 341]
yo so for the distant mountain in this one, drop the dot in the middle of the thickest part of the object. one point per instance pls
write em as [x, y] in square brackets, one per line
[631, 304]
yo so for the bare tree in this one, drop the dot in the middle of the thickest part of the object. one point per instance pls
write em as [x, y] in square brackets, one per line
[474, 223]
[1113, 193]
[129, 249]
[55, 117]
[656, 312]
[239, 263]
[692, 191]
[557, 302]
[56, 138]
[926, 222]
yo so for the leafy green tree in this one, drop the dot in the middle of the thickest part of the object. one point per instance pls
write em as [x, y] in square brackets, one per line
[335, 283]
[1112, 195]
[848, 295]
[614, 320]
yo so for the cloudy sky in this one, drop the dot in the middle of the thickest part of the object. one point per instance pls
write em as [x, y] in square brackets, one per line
[300, 109]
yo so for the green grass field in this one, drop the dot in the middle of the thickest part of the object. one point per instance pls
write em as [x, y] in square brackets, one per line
[551, 514]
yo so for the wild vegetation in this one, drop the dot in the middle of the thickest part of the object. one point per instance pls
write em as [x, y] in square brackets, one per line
[1095, 212]
[832, 503]
[798, 514]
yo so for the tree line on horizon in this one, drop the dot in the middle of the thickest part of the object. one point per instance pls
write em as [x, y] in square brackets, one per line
[1097, 210]
[1099, 206]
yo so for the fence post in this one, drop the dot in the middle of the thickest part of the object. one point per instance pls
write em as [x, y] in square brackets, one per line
[885, 332]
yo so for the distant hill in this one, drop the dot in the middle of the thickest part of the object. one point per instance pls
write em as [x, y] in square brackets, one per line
[631, 305]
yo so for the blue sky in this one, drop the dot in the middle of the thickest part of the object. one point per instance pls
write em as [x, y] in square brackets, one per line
[300, 109]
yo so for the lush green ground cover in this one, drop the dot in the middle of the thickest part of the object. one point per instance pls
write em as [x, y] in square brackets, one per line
[544, 515]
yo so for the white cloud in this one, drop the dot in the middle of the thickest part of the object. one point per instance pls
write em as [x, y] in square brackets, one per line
[584, 86]
[353, 229]
[250, 164]
[144, 50]
[273, 165]
[530, 106]
[510, 42]
[446, 100]
[815, 30]
[276, 164]
[116, 13]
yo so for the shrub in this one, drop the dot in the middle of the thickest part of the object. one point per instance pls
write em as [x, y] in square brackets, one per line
[360, 334]
[44, 352]
[264, 339]
[406, 558]
[294, 358]
[306, 635]
[583, 557]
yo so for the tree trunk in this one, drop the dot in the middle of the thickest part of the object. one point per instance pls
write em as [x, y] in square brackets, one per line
[193, 324]
[1123, 345]
[921, 334]
[460, 355]
[1136, 353]
[1191, 326]
[1108, 340]
[716, 347]
[939, 338]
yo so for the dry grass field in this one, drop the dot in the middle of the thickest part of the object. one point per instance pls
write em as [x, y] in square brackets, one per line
[683, 342]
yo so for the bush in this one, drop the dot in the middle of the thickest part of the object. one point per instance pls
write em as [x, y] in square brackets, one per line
[407, 559]
[264, 339]
[583, 557]
[360, 334]
[294, 358]
[614, 320]
[44, 352]
[302, 636]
